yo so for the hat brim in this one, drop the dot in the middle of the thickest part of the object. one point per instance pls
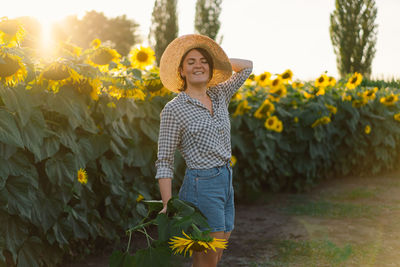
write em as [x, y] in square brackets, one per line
[171, 58]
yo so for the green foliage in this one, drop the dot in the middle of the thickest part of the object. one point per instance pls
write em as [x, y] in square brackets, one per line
[47, 136]
[353, 34]
[121, 32]
[164, 27]
[180, 216]
[44, 139]
[206, 20]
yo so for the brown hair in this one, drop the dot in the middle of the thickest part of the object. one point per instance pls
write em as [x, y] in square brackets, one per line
[206, 55]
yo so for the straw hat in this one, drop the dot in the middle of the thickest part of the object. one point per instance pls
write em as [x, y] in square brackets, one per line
[171, 58]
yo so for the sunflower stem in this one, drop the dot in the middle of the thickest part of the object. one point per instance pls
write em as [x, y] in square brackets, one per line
[147, 237]
[129, 241]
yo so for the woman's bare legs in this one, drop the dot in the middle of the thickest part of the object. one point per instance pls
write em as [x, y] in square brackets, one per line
[211, 258]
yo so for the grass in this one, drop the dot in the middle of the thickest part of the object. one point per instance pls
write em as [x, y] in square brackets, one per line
[355, 194]
[323, 208]
[310, 253]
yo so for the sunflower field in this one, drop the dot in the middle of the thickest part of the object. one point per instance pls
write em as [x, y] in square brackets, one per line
[79, 130]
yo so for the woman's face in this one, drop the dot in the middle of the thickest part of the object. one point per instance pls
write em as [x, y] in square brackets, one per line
[195, 68]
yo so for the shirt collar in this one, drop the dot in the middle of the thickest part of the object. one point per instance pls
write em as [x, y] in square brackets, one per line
[185, 97]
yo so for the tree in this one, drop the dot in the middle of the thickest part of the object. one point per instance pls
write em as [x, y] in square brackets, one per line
[164, 28]
[353, 35]
[120, 32]
[207, 17]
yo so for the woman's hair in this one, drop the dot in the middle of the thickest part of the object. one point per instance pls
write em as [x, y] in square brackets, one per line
[206, 55]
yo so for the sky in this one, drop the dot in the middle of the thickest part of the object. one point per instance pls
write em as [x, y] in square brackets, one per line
[275, 35]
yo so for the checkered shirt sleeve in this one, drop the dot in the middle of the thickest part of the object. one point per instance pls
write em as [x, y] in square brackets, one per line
[228, 88]
[168, 141]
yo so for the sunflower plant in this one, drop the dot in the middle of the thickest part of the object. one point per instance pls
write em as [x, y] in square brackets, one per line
[178, 234]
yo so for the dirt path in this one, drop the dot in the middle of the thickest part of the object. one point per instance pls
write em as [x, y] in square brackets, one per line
[341, 222]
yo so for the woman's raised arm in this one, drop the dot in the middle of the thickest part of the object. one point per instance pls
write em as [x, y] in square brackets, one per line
[239, 64]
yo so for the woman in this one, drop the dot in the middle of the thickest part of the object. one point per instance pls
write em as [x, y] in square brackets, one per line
[196, 122]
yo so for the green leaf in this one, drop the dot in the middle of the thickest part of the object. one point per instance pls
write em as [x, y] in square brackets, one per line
[15, 235]
[20, 196]
[60, 231]
[6, 151]
[137, 73]
[73, 106]
[93, 147]
[45, 211]
[19, 101]
[163, 227]
[120, 259]
[4, 171]
[68, 138]
[150, 257]
[19, 164]
[48, 149]
[34, 132]
[9, 132]
[61, 169]
[30, 253]
[141, 209]
[140, 155]
[150, 128]
[154, 205]
[112, 168]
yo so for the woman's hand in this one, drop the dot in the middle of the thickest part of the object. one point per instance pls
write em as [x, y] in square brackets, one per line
[165, 190]
[164, 210]
[239, 64]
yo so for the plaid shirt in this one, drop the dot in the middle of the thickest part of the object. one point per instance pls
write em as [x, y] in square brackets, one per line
[204, 140]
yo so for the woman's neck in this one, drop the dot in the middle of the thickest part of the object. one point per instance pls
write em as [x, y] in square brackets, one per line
[196, 92]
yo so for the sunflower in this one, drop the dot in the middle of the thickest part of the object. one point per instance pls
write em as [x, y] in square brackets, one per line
[142, 57]
[367, 129]
[263, 79]
[69, 49]
[250, 80]
[296, 85]
[346, 97]
[233, 160]
[389, 100]
[354, 81]
[274, 124]
[357, 103]
[82, 176]
[287, 76]
[102, 56]
[139, 198]
[90, 86]
[323, 120]
[331, 81]
[396, 116]
[58, 74]
[322, 81]
[307, 95]
[265, 109]
[95, 43]
[12, 70]
[277, 93]
[153, 84]
[331, 108]
[134, 93]
[241, 108]
[321, 91]
[370, 94]
[278, 126]
[11, 31]
[276, 83]
[198, 244]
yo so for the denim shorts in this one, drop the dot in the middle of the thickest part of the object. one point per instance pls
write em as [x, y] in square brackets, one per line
[211, 190]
